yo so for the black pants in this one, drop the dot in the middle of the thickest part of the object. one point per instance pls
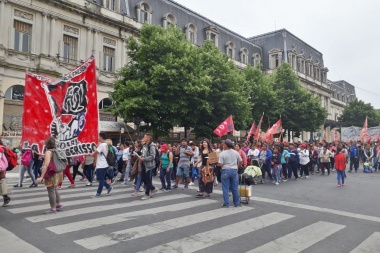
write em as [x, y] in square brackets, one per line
[76, 171]
[354, 162]
[304, 170]
[292, 168]
[285, 170]
[326, 166]
[147, 179]
[266, 168]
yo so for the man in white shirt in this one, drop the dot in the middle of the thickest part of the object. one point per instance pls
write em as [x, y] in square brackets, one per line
[101, 165]
[127, 161]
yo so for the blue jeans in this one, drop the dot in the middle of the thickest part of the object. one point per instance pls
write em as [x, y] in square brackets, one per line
[277, 172]
[28, 169]
[292, 168]
[101, 177]
[230, 179]
[184, 171]
[340, 174]
[164, 174]
[88, 171]
[138, 181]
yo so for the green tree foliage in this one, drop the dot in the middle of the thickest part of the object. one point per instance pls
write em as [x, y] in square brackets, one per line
[300, 110]
[169, 82]
[355, 113]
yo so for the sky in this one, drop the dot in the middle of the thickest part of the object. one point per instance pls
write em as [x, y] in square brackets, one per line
[346, 32]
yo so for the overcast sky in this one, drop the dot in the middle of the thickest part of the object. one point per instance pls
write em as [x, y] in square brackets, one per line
[346, 32]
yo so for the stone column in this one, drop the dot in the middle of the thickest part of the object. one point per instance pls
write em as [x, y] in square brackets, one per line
[43, 34]
[52, 51]
[123, 58]
[285, 48]
[89, 45]
[97, 52]
[2, 20]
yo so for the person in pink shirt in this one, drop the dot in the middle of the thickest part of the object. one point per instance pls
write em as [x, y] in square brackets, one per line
[242, 154]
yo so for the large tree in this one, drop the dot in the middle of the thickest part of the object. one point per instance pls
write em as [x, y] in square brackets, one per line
[169, 82]
[355, 113]
[301, 111]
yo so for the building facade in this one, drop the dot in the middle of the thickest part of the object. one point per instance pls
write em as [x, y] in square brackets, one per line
[53, 37]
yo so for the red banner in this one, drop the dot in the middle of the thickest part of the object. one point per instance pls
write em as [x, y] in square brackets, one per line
[276, 128]
[268, 137]
[225, 127]
[251, 131]
[363, 133]
[66, 109]
[258, 129]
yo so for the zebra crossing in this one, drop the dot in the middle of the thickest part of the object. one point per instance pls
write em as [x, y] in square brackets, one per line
[168, 223]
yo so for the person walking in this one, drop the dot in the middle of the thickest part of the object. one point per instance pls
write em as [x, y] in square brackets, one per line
[230, 161]
[304, 161]
[149, 163]
[88, 168]
[102, 165]
[27, 165]
[354, 157]
[3, 172]
[325, 160]
[340, 165]
[78, 161]
[284, 162]
[185, 153]
[52, 181]
[293, 162]
[166, 167]
[265, 157]
[276, 165]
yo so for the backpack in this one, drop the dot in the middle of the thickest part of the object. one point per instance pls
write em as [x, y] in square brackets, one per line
[111, 157]
[11, 158]
[27, 158]
[3, 163]
[60, 159]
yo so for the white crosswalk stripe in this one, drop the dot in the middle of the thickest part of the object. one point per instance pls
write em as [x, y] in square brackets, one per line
[77, 219]
[11, 243]
[301, 239]
[370, 245]
[101, 241]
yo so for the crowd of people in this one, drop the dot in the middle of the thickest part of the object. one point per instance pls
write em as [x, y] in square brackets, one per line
[136, 163]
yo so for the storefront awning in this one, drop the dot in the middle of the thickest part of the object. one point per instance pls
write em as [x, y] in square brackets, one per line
[109, 126]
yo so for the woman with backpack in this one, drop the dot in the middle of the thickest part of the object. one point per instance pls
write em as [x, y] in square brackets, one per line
[51, 178]
[3, 171]
[27, 165]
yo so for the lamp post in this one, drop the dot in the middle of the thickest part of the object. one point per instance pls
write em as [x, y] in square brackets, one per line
[121, 132]
[137, 122]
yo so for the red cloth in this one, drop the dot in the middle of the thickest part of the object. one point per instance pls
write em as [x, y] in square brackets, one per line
[225, 127]
[340, 161]
[66, 172]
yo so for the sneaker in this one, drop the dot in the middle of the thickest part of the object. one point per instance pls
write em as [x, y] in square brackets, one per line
[306, 176]
[96, 196]
[89, 184]
[339, 185]
[317, 171]
[142, 189]
[145, 197]
[71, 186]
[113, 181]
[153, 192]
[124, 183]
[186, 187]
[121, 180]
[6, 201]
[50, 212]
[135, 193]
[17, 185]
[109, 190]
[284, 180]
[33, 185]
[59, 207]
[175, 186]
[350, 171]
[83, 179]
[224, 206]
[167, 190]
[301, 177]
[343, 184]
[191, 184]
[162, 189]
[277, 183]
[240, 205]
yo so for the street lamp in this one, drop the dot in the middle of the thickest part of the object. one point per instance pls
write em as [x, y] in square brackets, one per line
[121, 132]
[137, 122]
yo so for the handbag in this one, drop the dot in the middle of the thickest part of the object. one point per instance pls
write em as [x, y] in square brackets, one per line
[51, 170]
[207, 175]
[3, 187]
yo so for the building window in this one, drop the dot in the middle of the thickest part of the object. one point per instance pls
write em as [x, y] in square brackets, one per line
[169, 20]
[191, 33]
[112, 5]
[23, 33]
[244, 56]
[70, 49]
[257, 60]
[105, 103]
[108, 59]
[230, 50]
[16, 92]
[144, 13]
[275, 58]
[213, 35]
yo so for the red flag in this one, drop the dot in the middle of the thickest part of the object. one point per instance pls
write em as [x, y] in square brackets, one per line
[66, 109]
[363, 132]
[276, 128]
[258, 129]
[225, 127]
[251, 131]
[268, 137]
[336, 136]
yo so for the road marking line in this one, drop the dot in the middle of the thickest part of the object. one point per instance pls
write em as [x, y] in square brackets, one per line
[81, 225]
[312, 208]
[12, 243]
[105, 240]
[102, 208]
[72, 203]
[207, 239]
[370, 245]
[22, 194]
[301, 239]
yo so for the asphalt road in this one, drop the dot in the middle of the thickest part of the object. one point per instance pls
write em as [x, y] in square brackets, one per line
[307, 215]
